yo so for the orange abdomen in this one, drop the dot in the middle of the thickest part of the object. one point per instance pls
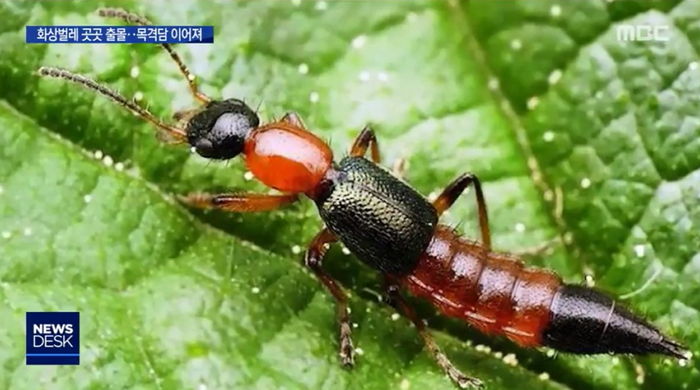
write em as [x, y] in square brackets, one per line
[491, 291]
[287, 158]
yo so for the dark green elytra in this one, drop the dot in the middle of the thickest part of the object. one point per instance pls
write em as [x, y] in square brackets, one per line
[380, 219]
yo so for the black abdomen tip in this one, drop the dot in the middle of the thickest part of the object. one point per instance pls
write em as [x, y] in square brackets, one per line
[586, 321]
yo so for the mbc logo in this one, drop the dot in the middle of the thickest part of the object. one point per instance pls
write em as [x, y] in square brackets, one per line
[642, 32]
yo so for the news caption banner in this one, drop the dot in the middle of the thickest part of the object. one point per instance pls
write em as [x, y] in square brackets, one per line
[53, 338]
[119, 34]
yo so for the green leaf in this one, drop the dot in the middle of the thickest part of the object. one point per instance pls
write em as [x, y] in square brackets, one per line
[580, 138]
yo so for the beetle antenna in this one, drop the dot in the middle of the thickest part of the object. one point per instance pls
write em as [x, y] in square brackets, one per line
[175, 133]
[131, 18]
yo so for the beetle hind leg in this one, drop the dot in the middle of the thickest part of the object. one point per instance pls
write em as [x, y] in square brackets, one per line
[395, 299]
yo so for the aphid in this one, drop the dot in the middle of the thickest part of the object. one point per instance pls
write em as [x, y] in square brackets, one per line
[394, 229]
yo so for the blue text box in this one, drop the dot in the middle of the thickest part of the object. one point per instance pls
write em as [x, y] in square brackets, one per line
[119, 34]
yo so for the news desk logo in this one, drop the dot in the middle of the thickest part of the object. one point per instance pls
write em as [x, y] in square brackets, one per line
[53, 338]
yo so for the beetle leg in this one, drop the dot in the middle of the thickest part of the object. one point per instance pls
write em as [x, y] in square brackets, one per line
[396, 300]
[399, 168]
[293, 118]
[313, 260]
[363, 141]
[239, 202]
[454, 190]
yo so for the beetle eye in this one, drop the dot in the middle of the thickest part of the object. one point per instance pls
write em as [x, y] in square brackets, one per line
[204, 148]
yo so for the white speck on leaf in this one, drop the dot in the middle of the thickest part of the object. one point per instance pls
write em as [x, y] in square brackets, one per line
[87, 198]
[493, 84]
[6, 234]
[585, 183]
[296, 249]
[510, 359]
[359, 41]
[639, 250]
[548, 136]
[248, 175]
[255, 290]
[107, 160]
[515, 44]
[554, 77]
[395, 316]
[405, 384]
[555, 10]
[98, 154]
[533, 102]
[119, 166]
[568, 238]
[543, 376]
[134, 72]
[314, 97]
[321, 5]
[693, 65]
[138, 96]
[345, 251]
[364, 75]
[303, 68]
[383, 77]
[27, 231]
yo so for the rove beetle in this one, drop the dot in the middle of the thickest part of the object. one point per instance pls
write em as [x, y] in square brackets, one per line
[395, 230]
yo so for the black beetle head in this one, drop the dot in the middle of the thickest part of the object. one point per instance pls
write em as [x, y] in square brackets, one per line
[219, 131]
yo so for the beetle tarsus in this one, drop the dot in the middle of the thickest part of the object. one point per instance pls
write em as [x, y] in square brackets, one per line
[347, 350]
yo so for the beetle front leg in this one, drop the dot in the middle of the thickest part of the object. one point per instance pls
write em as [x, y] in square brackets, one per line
[240, 203]
[313, 260]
